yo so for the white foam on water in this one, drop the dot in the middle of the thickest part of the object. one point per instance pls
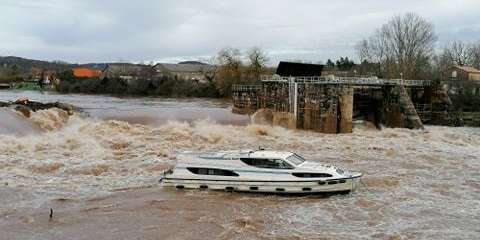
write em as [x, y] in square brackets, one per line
[422, 184]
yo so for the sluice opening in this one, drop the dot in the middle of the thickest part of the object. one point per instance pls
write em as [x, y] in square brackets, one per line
[368, 105]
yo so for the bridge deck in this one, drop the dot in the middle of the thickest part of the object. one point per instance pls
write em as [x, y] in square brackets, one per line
[356, 81]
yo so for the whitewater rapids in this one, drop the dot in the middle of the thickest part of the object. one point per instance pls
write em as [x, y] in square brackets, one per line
[420, 184]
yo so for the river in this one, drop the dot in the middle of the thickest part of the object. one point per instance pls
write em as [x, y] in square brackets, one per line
[99, 173]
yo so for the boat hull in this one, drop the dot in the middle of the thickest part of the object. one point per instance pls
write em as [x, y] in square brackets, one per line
[304, 187]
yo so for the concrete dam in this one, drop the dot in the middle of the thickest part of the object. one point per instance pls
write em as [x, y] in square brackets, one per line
[329, 104]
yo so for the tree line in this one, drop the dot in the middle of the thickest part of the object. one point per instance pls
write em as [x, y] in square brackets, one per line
[404, 47]
[230, 67]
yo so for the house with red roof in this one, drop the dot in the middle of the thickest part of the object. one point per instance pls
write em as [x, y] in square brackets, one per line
[82, 72]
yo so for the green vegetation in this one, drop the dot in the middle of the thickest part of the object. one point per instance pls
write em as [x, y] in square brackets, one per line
[467, 100]
[10, 74]
[165, 86]
[27, 86]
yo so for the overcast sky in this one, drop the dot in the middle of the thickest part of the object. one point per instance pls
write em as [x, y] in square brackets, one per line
[145, 30]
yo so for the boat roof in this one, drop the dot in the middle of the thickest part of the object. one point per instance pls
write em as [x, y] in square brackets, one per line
[270, 154]
[241, 154]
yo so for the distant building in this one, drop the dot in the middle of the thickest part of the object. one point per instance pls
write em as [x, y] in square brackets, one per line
[463, 73]
[457, 79]
[82, 72]
[128, 71]
[50, 78]
[36, 74]
[195, 71]
[43, 77]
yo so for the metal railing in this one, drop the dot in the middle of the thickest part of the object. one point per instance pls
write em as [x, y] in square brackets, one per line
[365, 81]
[246, 88]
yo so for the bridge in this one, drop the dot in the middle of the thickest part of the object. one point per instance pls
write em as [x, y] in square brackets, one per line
[355, 81]
[334, 80]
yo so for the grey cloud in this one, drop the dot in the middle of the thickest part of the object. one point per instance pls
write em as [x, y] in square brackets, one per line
[90, 30]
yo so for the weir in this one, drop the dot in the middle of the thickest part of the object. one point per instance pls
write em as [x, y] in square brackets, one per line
[329, 104]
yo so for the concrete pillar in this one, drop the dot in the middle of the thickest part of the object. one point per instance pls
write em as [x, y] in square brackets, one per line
[329, 122]
[329, 111]
[345, 103]
[307, 117]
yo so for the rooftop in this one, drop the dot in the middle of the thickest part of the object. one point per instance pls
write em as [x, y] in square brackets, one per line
[468, 69]
[185, 67]
[235, 154]
[128, 69]
[287, 69]
[86, 73]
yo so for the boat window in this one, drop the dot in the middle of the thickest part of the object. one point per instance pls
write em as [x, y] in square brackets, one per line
[212, 171]
[312, 175]
[267, 163]
[296, 159]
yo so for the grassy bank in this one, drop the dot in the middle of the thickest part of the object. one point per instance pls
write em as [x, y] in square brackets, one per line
[33, 86]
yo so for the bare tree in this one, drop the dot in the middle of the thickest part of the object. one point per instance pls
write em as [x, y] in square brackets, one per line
[257, 60]
[229, 70]
[475, 55]
[403, 45]
[209, 70]
[230, 57]
[458, 53]
[363, 49]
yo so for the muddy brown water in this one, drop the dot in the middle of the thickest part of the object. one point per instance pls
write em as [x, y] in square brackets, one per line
[100, 176]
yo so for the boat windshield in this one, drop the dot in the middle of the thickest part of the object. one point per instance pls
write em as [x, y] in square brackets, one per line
[296, 159]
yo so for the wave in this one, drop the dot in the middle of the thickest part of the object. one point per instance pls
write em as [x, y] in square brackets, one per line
[115, 153]
[13, 122]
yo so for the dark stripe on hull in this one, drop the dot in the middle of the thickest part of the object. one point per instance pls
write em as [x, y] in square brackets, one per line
[249, 181]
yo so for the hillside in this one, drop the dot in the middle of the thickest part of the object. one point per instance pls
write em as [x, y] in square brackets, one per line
[23, 66]
[14, 68]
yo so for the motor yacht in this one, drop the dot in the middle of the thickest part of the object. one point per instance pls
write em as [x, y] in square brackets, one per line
[262, 171]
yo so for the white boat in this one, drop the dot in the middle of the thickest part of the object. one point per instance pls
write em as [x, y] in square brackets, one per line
[257, 171]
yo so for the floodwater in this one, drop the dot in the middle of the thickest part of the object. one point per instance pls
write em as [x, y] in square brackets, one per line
[99, 173]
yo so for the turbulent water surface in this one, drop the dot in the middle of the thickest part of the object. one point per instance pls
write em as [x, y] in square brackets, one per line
[99, 173]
